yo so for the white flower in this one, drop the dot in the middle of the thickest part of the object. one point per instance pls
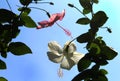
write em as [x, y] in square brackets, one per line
[66, 56]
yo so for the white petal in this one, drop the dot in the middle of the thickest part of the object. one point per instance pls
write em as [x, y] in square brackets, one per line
[55, 47]
[67, 64]
[55, 57]
[69, 47]
[77, 56]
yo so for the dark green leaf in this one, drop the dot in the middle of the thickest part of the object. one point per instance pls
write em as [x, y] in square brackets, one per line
[19, 48]
[2, 65]
[102, 61]
[95, 1]
[96, 67]
[25, 2]
[3, 79]
[83, 21]
[98, 19]
[100, 78]
[109, 53]
[6, 15]
[86, 37]
[85, 4]
[28, 22]
[83, 75]
[103, 72]
[4, 54]
[84, 63]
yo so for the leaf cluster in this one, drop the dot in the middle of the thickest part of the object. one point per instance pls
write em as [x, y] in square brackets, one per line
[10, 24]
[99, 53]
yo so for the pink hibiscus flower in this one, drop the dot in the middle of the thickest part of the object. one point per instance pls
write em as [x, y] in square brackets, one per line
[53, 18]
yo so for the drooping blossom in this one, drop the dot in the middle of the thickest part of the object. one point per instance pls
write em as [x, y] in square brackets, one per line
[53, 18]
[66, 56]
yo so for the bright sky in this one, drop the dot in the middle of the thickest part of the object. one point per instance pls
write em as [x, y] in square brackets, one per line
[36, 66]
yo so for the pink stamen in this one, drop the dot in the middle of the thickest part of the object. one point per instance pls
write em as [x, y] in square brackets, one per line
[65, 30]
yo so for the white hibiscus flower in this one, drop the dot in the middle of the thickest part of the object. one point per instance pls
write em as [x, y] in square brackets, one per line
[66, 56]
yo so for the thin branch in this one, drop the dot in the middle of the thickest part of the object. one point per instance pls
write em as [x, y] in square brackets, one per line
[51, 3]
[39, 9]
[80, 11]
[9, 5]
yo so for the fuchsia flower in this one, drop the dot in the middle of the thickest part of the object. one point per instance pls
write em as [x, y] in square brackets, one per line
[53, 18]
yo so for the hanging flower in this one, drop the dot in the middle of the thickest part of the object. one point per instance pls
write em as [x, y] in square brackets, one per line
[66, 56]
[53, 18]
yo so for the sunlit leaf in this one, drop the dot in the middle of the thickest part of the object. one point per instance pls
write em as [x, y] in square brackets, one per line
[84, 63]
[86, 11]
[2, 64]
[83, 21]
[19, 48]
[98, 19]
[3, 79]
[25, 10]
[6, 15]
[28, 22]
[94, 48]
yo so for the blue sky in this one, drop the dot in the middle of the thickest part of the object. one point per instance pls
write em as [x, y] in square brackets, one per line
[36, 66]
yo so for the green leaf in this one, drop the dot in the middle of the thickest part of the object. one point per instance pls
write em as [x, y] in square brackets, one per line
[103, 72]
[85, 4]
[83, 75]
[86, 11]
[94, 48]
[98, 19]
[6, 15]
[109, 53]
[19, 48]
[100, 78]
[25, 10]
[28, 22]
[83, 21]
[84, 63]
[95, 1]
[2, 64]
[4, 54]
[86, 37]
[3, 79]
[25, 2]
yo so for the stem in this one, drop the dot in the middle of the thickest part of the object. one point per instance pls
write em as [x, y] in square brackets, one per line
[80, 11]
[9, 5]
[92, 13]
[39, 9]
[43, 2]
